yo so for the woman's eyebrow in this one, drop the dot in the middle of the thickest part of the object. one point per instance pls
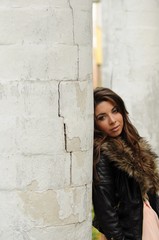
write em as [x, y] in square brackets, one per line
[100, 114]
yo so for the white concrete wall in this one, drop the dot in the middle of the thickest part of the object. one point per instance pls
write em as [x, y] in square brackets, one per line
[131, 60]
[46, 122]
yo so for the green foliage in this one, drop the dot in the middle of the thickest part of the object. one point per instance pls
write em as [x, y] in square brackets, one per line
[95, 234]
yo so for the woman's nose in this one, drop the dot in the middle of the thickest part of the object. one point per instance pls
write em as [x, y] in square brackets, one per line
[111, 119]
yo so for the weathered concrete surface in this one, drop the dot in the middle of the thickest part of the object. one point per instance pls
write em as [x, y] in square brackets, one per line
[131, 66]
[46, 119]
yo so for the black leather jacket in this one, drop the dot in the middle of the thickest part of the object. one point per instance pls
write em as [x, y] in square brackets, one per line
[118, 203]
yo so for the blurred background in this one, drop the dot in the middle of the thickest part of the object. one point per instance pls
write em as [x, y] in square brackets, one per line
[126, 59]
[97, 43]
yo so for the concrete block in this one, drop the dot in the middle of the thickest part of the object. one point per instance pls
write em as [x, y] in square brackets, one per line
[12, 234]
[9, 170]
[53, 208]
[85, 66]
[7, 135]
[25, 108]
[36, 62]
[84, 5]
[36, 214]
[23, 63]
[40, 208]
[39, 135]
[81, 168]
[82, 27]
[29, 99]
[63, 63]
[77, 113]
[11, 218]
[89, 199]
[84, 230]
[69, 232]
[36, 26]
[53, 233]
[42, 172]
[72, 204]
[33, 3]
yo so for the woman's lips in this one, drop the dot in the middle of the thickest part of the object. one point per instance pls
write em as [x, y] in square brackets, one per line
[115, 129]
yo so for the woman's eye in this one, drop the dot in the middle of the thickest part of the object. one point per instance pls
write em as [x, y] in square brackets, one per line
[101, 118]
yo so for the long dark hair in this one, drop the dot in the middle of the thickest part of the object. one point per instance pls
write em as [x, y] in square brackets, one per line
[129, 133]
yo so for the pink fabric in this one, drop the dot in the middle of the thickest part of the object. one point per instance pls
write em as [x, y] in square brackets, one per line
[150, 223]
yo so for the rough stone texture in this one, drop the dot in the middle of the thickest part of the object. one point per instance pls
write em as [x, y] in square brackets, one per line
[46, 119]
[131, 65]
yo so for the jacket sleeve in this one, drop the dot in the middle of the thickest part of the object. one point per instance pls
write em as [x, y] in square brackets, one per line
[104, 202]
[154, 202]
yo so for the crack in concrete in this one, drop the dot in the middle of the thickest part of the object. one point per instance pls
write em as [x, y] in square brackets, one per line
[70, 168]
[73, 31]
[59, 114]
[65, 136]
[64, 131]
[69, 3]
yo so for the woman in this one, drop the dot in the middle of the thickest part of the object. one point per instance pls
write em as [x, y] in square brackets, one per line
[125, 176]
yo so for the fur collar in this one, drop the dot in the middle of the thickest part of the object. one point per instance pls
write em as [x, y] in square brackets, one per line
[144, 168]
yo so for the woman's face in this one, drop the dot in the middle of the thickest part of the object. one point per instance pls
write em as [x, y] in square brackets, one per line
[108, 119]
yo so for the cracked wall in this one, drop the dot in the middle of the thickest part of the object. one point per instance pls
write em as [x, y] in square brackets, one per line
[46, 119]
